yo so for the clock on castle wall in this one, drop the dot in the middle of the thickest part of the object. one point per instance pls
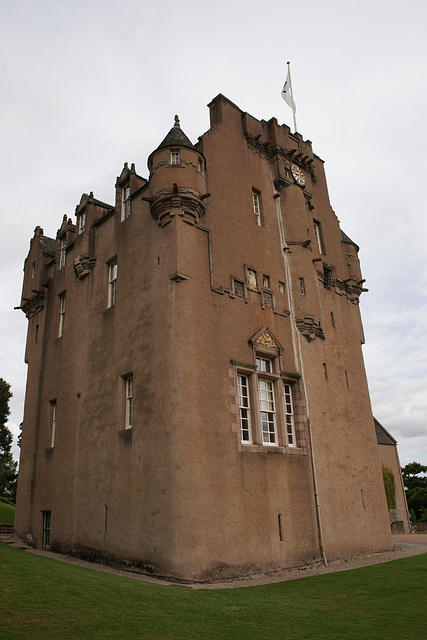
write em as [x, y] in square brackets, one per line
[298, 175]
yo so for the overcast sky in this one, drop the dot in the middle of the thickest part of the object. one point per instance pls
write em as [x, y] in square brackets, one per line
[88, 85]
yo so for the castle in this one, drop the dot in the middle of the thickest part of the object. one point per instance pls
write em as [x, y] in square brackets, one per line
[196, 402]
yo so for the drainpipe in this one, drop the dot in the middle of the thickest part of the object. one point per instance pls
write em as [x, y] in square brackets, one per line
[298, 356]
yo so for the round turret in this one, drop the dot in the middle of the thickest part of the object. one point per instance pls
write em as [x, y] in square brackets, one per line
[177, 178]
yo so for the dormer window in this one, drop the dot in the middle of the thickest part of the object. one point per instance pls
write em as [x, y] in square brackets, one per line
[175, 157]
[125, 202]
[82, 222]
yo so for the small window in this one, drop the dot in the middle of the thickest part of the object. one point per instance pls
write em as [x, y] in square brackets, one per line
[129, 402]
[318, 236]
[46, 529]
[61, 314]
[257, 206]
[266, 281]
[112, 283]
[325, 370]
[175, 157]
[125, 202]
[33, 270]
[263, 364]
[82, 222]
[281, 287]
[301, 286]
[52, 422]
[62, 253]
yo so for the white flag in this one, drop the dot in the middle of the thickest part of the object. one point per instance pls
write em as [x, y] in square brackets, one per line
[286, 93]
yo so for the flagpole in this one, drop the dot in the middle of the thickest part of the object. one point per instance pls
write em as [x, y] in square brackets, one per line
[292, 95]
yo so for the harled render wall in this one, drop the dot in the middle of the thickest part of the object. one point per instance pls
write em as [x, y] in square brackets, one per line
[178, 493]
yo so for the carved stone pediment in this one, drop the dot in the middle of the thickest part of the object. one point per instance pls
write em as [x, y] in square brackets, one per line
[83, 265]
[265, 337]
[310, 327]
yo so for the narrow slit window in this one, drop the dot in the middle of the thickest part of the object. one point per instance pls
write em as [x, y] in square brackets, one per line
[257, 207]
[129, 402]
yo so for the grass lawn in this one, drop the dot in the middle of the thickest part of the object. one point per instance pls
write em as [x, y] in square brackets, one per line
[44, 598]
[7, 513]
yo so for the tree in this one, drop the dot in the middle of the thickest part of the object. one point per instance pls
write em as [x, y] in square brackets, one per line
[416, 489]
[7, 465]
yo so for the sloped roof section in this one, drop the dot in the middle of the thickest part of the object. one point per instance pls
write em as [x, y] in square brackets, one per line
[48, 245]
[383, 436]
[345, 238]
[176, 138]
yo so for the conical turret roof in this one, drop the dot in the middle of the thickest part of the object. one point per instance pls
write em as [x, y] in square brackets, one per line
[176, 138]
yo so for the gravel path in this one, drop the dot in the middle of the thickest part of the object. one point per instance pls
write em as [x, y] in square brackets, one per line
[405, 546]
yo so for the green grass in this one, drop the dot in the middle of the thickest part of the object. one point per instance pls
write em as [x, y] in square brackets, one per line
[44, 598]
[7, 513]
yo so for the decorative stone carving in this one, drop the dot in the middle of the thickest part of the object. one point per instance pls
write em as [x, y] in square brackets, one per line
[267, 340]
[83, 265]
[35, 305]
[310, 327]
[239, 288]
[268, 299]
[185, 203]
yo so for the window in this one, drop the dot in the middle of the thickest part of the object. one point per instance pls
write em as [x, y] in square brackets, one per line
[82, 222]
[112, 283]
[268, 401]
[33, 270]
[46, 529]
[125, 202]
[289, 415]
[257, 206]
[301, 286]
[244, 408]
[175, 157]
[62, 253]
[52, 422]
[129, 402]
[281, 287]
[318, 236]
[268, 414]
[325, 370]
[61, 314]
[266, 281]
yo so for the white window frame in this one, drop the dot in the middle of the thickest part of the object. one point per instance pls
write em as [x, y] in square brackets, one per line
[125, 207]
[243, 390]
[129, 401]
[175, 157]
[318, 236]
[53, 413]
[266, 402]
[265, 399]
[61, 314]
[112, 283]
[256, 201]
[63, 254]
[82, 222]
[288, 405]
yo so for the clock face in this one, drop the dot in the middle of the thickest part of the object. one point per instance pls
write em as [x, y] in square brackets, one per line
[298, 175]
